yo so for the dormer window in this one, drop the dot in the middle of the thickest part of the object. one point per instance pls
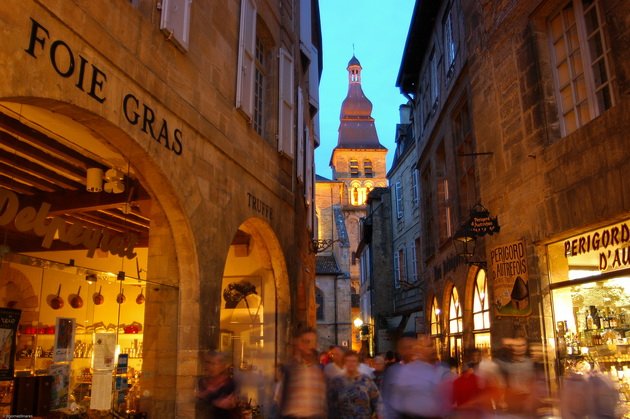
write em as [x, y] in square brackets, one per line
[367, 168]
[354, 168]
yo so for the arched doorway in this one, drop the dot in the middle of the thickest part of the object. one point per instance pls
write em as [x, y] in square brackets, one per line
[255, 310]
[108, 246]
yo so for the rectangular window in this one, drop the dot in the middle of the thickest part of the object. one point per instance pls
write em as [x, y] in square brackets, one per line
[433, 65]
[415, 186]
[300, 136]
[396, 270]
[580, 59]
[354, 168]
[399, 200]
[286, 130]
[428, 214]
[414, 260]
[450, 47]
[445, 210]
[259, 87]
[402, 266]
[246, 65]
[367, 168]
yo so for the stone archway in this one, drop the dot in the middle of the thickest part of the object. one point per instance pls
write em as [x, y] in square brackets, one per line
[171, 257]
[255, 309]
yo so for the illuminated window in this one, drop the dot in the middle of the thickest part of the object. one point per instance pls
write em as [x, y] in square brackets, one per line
[436, 327]
[367, 168]
[354, 168]
[481, 308]
[580, 59]
[455, 313]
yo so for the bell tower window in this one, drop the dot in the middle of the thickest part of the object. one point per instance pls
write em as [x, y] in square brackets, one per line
[354, 168]
[367, 168]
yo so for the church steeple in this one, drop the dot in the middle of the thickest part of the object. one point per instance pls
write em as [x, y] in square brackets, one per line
[356, 129]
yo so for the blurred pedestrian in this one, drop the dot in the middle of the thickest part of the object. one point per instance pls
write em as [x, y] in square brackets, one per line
[419, 388]
[519, 391]
[216, 392]
[303, 385]
[335, 367]
[353, 395]
[379, 370]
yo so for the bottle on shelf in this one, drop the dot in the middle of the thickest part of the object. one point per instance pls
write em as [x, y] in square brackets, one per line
[590, 324]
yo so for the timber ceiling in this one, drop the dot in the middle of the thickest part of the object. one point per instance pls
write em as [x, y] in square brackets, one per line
[42, 169]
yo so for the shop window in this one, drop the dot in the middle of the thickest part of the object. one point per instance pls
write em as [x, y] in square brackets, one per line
[454, 313]
[367, 168]
[319, 304]
[581, 63]
[74, 321]
[354, 168]
[436, 325]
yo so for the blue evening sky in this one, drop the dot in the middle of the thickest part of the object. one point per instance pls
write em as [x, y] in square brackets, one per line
[378, 30]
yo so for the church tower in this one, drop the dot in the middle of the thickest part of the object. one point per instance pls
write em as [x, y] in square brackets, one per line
[359, 159]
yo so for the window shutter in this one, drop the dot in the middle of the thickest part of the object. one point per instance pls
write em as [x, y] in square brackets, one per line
[300, 135]
[310, 167]
[246, 66]
[285, 113]
[305, 22]
[397, 270]
[313, 79]
[414, 264]
[175, 21]
[399, 202]
[415, 181]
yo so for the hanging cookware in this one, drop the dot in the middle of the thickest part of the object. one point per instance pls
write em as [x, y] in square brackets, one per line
[55, 301]
[98, 297]
[121, 297]
[75, 299]
[140, 297]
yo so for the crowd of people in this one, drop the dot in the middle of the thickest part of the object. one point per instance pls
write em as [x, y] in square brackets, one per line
[413, 384]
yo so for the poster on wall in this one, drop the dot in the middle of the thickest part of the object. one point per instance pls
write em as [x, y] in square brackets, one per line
[104, 351]
[60, 385]
[9, 321]
[64, 339]
[508, 267]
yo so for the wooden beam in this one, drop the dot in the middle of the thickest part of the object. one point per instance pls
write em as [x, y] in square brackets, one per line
[60, 165]
[45, 142]
[18, 187]
[39, 183]
[28, 166]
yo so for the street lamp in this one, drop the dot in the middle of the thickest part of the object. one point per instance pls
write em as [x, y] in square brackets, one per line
[358, 322]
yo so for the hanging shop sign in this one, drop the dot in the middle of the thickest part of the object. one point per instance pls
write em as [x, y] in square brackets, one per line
[606, 249]
[508, 266]
[28, 218]
[91, 78]
[481, 222]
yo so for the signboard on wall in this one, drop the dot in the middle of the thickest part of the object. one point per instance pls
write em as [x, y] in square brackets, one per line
[9, 320]
[508, 267]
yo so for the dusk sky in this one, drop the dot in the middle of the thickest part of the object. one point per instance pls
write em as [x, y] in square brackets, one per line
[378, 30]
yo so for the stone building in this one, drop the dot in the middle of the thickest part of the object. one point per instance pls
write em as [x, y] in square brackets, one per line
[520, 110]
[380, 330]
[358, 165]
[176, 133]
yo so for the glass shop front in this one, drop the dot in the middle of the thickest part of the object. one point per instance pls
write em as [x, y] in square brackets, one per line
[589, 277]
